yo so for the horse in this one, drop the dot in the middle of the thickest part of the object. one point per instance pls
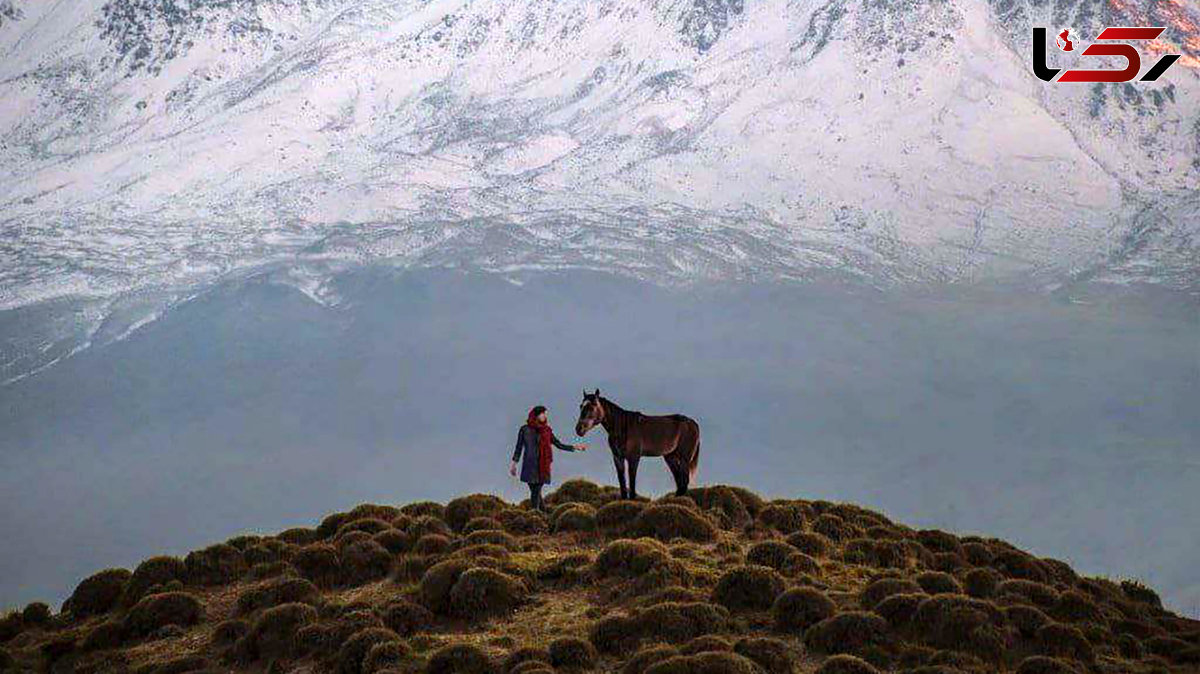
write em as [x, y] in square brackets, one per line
[632, 435]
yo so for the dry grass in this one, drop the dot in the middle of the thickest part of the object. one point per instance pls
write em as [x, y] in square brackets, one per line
[724, 582]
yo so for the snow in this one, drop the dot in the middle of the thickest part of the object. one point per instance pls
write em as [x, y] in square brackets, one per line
[902, 144]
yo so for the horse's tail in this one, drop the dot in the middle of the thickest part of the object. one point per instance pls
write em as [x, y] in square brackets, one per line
[694, 464]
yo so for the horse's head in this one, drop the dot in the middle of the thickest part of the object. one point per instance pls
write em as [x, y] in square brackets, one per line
[591, 413]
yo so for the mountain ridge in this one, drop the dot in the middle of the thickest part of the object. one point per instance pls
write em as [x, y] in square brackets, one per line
[138, 131]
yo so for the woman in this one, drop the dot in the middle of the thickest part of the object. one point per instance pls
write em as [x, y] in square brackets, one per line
[537, 442]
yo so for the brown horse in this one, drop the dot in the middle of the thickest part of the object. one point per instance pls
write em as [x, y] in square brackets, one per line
[632, 435]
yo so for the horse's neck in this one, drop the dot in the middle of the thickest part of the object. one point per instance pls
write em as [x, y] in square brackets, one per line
[615, 417]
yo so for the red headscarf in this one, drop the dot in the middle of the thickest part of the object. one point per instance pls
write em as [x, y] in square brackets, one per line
[545, 446]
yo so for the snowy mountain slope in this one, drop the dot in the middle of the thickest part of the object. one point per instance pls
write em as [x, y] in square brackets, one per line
[148, 146]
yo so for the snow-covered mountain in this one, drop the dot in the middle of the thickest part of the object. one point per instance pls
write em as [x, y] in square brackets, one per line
[151, 146]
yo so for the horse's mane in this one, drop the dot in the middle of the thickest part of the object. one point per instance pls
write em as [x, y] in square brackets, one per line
[616, 408]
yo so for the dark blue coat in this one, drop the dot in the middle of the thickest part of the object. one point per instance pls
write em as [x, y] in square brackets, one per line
[527, 444]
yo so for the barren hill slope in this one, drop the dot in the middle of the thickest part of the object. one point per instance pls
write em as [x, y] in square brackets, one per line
[720, 581]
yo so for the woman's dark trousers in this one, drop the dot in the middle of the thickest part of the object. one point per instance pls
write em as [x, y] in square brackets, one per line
[535, 496]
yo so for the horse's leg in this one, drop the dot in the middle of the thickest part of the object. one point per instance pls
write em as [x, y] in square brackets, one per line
[679, 471]
[633, 466]
[619, 462]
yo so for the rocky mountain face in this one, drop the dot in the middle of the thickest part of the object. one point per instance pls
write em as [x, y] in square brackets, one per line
[148, 148]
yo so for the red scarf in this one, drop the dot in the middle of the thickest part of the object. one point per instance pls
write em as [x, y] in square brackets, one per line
[545, 446]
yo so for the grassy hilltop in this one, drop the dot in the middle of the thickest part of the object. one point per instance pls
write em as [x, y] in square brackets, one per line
[718, 582]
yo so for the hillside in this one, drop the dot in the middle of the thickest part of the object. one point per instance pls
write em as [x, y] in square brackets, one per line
[721, 581]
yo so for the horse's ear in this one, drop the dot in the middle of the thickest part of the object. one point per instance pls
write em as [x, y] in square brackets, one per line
[585, 393]
[597, 393]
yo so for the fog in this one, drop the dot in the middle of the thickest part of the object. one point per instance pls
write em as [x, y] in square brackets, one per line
[1067, 427]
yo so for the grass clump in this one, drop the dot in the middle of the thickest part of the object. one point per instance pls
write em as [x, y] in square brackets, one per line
[393, 540]
[482, 592]
[406, 617]
[749, 587]
[810, 543]
[899, 609]
[319, 563]
[938, 582]
[882, 554]
[706, 644]
[853, 632]
[775, 656]
[833, 528]
[351, 655]
[846, 664]
[574, 517]
[704, 663]
[1019, 565]
[273, 634]
[799, 564]
[482, 524]
[730, 510]
[523, 655]
[982, 582]
[797, 609]
[614, 634]
[977, 554]
[275, 592]
[432, 544]
[1040, 664]
[1026, 620]
[619, 515]
[384, 656]
[372, 511]
[1139, 592]
[679, 622]
[937, 541]
[630, 558]
[227, 632]
[218, 564]
[492, 537]
[424, 509]
[426, 525]
[576, 491]
[436, 584]
[299, 536]
[883, 588]
[670, 521]
[463, 509]
[1075, 606]
[958, 622]
[1174, 648]
[365, 561]
[522, 522]
[567, 653]
[786, 518]
[770, 553]
[156, 572]
[156, 611]
[104, 636]
[98, 594]
[460, 659]
[367, 525]
[647, 657]
[1039, 594]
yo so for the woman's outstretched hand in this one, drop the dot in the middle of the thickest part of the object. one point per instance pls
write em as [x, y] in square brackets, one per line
[581, 448]
[512, 469]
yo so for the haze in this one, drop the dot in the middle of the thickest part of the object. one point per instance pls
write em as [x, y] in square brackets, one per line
[1066, 425]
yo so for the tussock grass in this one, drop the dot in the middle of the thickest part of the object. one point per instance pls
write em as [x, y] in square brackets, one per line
[718, 581]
